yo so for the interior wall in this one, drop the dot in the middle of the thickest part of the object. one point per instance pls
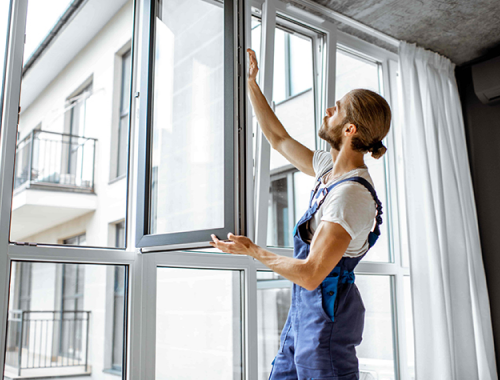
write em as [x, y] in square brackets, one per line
[482, 127]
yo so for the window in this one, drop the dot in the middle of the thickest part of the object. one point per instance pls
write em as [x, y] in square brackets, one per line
[198, 316]
[297, 101]
[124, 116]
[196, 171]
[24, 270]
[194, 147]
[120, 235]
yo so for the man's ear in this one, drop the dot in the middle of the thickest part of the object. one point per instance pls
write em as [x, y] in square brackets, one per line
[351, 129]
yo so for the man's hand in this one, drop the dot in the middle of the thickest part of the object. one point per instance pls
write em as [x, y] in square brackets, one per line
[237, 245]
[254, 69]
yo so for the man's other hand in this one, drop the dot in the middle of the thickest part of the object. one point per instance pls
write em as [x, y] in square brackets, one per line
[237, 245]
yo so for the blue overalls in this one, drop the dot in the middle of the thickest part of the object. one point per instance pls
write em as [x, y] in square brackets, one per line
[326, 324]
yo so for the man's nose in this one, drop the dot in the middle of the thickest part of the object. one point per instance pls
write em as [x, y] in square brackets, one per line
[329, 112]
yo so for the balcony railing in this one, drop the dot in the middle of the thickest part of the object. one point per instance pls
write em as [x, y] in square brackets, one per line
[56, 160]
[47, 339]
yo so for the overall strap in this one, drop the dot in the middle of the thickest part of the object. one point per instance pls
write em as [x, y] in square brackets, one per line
[373, 236]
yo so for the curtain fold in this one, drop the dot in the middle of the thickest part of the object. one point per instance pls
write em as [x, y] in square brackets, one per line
[452, 320]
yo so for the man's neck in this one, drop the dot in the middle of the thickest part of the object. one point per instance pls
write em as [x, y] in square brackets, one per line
[345, 160]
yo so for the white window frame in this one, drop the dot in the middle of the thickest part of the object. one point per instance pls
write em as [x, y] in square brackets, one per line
[139, 342]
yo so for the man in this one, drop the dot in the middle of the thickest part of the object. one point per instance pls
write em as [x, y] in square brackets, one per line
[326, 317]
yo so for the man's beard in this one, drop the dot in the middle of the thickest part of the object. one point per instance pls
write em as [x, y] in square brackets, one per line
[335, 140]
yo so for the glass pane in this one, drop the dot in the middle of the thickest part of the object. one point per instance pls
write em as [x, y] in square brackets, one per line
[64, 320]
[273, 302]
[279, 231]
[294, 99]
[198, 324]
[376, 351]
[354, 72]
[188, 118]
[296, 113]
[301, 76]
[119, 294]
[70, 108]
[410, 340]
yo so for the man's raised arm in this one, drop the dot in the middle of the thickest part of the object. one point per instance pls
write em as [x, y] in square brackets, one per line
[299, 155]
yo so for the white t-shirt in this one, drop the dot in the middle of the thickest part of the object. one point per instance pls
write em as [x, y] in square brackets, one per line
[349, 204]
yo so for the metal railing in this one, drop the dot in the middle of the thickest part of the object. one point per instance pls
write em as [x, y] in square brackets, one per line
[53, 159]
[47, 339]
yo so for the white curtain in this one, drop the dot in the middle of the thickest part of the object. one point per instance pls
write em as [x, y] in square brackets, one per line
[452, 320]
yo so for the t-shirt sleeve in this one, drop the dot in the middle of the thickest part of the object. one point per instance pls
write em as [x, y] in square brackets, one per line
[351, 206]
[322, 161]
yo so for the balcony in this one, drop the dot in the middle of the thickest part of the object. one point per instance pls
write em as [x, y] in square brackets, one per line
[47, 343]
[55, 160]
[54, 181]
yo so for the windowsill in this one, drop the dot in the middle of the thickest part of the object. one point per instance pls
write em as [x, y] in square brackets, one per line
[112, 371]
[117, 179]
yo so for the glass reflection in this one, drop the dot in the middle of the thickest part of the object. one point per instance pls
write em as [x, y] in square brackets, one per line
[198, 324]
[188, 120]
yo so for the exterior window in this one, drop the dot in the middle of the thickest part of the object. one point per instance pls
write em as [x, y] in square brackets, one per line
[76, 240]
[287, 203]
[73, 287]
[77, 124]
[118, 317]
[120, 235]
[25, 286]
[123, 125]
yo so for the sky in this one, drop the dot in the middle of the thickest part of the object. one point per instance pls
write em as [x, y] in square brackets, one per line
[41, 19]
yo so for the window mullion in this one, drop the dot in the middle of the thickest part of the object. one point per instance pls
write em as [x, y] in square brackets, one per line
[263, 151]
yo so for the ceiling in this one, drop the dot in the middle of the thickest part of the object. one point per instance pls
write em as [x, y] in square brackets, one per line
[462, 30]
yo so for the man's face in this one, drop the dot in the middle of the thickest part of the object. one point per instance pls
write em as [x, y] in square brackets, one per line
[332, 127]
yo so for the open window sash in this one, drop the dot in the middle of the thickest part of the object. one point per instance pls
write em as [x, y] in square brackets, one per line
[192, 153]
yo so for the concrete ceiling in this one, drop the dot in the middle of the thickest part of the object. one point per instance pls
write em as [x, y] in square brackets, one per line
[461, 30]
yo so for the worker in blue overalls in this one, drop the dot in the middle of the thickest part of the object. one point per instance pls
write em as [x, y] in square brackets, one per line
[326, 317]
